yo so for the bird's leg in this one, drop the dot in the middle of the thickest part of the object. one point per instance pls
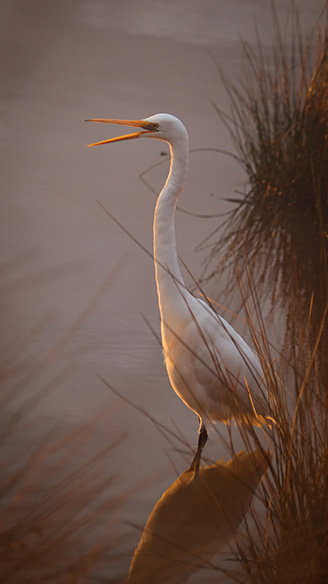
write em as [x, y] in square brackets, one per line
[202, 439]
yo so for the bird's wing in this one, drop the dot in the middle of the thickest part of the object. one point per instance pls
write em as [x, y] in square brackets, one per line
[224, 365]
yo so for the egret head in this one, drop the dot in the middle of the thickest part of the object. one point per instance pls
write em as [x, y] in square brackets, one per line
[160, 126]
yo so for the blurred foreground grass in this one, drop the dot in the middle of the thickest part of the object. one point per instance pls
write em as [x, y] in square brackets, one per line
[56, 512]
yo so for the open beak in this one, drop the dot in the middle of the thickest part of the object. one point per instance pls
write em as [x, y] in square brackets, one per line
[147, 127]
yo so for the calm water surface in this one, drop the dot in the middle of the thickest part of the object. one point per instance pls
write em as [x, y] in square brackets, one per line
[74, 285]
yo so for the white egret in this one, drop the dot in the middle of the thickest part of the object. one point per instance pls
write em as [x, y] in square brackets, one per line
[210, 366]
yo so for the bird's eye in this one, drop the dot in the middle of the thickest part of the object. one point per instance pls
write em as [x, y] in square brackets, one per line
[150, 126]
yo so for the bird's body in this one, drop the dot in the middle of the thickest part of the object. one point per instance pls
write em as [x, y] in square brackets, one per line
[210, 366]
[212, 369]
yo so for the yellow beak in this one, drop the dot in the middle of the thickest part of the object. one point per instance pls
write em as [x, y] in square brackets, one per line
[147, 128]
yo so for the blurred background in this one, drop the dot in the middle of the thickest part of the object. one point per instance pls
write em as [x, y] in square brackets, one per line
[75, 287]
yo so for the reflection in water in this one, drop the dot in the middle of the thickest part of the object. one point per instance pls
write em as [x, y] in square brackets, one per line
[195, 518]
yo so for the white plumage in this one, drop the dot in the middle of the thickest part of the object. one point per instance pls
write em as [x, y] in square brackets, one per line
[210, 366]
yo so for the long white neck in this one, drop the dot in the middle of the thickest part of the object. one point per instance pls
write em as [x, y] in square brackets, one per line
[170, 286]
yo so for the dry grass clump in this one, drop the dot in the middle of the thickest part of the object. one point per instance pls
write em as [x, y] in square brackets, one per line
[288, 544]
[279, 127]
[278, 230]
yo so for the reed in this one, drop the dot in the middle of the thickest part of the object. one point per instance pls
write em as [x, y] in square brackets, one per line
[279, 127]
[276, 234]
[55, 510]
[285, 538]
